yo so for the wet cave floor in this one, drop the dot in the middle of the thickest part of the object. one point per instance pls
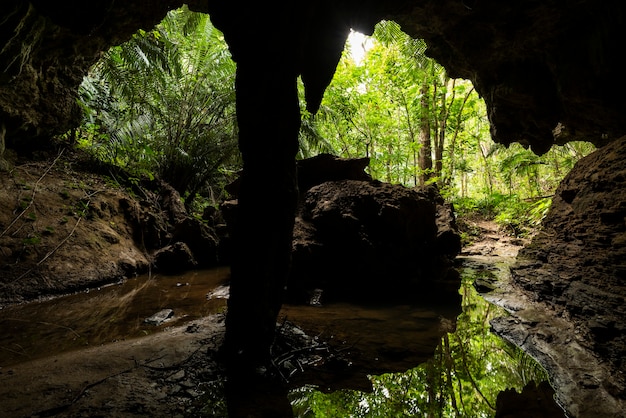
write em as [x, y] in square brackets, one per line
[106, 353]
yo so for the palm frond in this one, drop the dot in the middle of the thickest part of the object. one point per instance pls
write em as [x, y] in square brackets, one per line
[389, 32]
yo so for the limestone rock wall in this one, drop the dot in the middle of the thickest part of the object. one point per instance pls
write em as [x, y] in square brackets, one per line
[543, 68]
[577, 263]
[47, 48]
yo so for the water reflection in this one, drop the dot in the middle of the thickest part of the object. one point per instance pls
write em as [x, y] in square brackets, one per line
[470, 366]
[375, 339]
[461, 368]
[107, 314]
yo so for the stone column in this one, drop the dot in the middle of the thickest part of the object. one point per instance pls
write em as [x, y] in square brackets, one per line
[263, 39]
[269, 120]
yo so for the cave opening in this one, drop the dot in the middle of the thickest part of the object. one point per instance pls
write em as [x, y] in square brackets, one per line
[539, 89]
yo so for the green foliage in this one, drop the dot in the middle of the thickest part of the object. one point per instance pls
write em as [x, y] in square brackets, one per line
[517, 216]
[24, 203]
[32, 240]
[163, 104]
[81, 208]
[486, 207]
[417, 125]
[386, 106]
[522, 216]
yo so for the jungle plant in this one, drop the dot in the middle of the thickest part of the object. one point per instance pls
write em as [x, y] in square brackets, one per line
[417, 125]
[163, 104]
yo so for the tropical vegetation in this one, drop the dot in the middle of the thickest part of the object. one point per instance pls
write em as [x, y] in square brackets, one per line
[163, 105]
[419, 126]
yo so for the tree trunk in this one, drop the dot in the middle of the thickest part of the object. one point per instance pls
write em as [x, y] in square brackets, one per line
[439, 146]
[441, 123]
[425, 151]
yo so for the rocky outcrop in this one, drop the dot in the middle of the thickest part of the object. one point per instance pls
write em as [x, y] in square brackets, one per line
[352, 233]
[576, 265]
[578, 261]
[370, 241]
[64, 229]
[174, 258]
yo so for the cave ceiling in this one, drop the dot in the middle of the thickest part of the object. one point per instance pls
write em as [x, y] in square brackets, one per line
[547, 70]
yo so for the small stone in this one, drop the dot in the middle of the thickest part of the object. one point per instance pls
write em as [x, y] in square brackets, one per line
[176, 376]
[192, 393]
[160, 317]
[187, 384]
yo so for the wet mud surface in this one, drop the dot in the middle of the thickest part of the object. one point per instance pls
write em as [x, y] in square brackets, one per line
[94, 353]
[174, 369]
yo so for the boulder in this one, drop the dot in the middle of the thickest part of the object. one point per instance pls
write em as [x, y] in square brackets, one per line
[367, 240]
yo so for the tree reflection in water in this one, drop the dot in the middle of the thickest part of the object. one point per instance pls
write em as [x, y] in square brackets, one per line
[468, 370]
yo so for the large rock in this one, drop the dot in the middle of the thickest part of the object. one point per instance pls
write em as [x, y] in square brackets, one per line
[174, 259]
[367, 240]
[361, 239]
[158, 230]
